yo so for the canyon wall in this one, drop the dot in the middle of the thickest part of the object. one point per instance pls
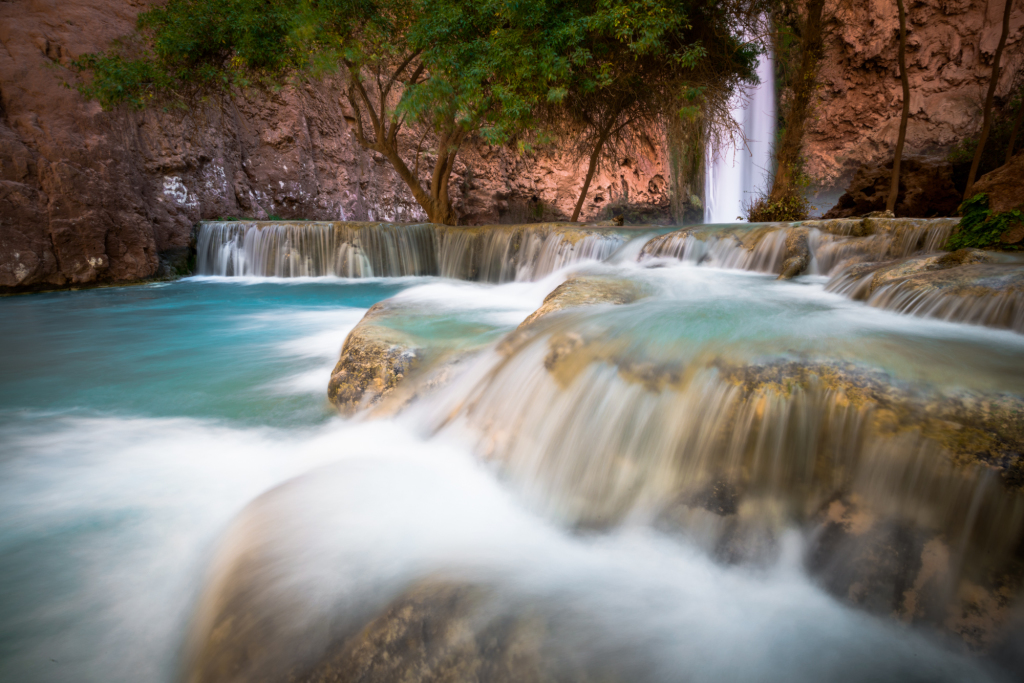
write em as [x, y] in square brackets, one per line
[89, 196]
[855, 117]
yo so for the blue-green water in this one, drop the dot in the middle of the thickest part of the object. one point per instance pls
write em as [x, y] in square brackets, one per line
[136, 423]
[201, 349]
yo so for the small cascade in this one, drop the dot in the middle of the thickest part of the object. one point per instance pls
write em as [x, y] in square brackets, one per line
[314, 249]
[992, 309]
[731, 454]
[360, 250]
[832, 245]
[734, 175]
[894, 239]
[519, 253]
[761, 250]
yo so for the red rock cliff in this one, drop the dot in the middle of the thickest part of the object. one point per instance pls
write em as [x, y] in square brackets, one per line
[950, 46]
[92, 196]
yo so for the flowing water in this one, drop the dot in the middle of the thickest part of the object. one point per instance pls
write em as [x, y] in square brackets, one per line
[152, 436]
[741, 169]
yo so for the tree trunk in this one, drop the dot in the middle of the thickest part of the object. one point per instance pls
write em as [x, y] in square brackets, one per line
[894, 186]
[989, 100]
[788, 152]
[594, 156]
[1016, 129]
[602, 137]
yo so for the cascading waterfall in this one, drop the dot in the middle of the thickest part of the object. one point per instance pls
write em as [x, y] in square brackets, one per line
[360, 250]
[314, 249]
[727, 439]
[735, 174]
[762, 251]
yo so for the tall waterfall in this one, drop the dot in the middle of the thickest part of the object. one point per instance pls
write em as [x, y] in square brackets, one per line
[737, 172]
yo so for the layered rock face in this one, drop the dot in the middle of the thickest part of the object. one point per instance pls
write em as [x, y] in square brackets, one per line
[950, 45]
[90, 196]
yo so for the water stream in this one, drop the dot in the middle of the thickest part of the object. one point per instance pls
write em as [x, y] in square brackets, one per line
[167, 448]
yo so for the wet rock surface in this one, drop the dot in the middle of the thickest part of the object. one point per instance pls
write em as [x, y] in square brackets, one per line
[374, 359]
[440, 631]
[587, 290]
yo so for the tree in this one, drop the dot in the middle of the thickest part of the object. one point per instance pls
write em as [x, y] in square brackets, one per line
[989, 100]
[453, 69]
[894, 183]
[446, 68]
[637, 62]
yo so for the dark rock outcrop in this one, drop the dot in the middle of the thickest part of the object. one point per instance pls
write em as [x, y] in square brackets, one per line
[1004, 186]
[926, 190]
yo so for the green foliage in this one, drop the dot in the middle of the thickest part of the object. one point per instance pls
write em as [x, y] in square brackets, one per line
[979, 227]
[456, 67]
[793, 207]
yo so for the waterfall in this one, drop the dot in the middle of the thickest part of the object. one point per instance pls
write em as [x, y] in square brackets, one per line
[359, 250]
[737, 172]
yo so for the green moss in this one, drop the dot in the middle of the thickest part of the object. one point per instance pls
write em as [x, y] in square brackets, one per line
[980, 227]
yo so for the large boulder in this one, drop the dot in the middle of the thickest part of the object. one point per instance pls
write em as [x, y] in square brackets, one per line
[374, 359]
[1004, 186]
[926, 190]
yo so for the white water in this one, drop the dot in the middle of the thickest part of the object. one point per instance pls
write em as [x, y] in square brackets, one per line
[113, 522]
[740, 170]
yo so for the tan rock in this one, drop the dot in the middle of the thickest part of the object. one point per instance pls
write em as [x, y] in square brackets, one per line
[1004, 186]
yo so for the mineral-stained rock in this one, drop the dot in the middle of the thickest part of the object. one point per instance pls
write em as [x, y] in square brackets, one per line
[587, 290]
[1004, 186]
[374, 359]
[798, 255]
[926, 190]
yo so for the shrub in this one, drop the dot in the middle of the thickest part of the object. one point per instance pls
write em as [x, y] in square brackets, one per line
[981, 228]
[793, 207]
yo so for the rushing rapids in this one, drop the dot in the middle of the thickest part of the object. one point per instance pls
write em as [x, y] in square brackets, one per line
[565, 453]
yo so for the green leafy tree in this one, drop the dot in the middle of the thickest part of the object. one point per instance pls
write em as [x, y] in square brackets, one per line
[453, 69]
[634, 63]
[440, 70]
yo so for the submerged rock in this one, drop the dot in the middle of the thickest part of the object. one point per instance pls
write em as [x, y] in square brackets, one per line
[587, 290]
[440, 631]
